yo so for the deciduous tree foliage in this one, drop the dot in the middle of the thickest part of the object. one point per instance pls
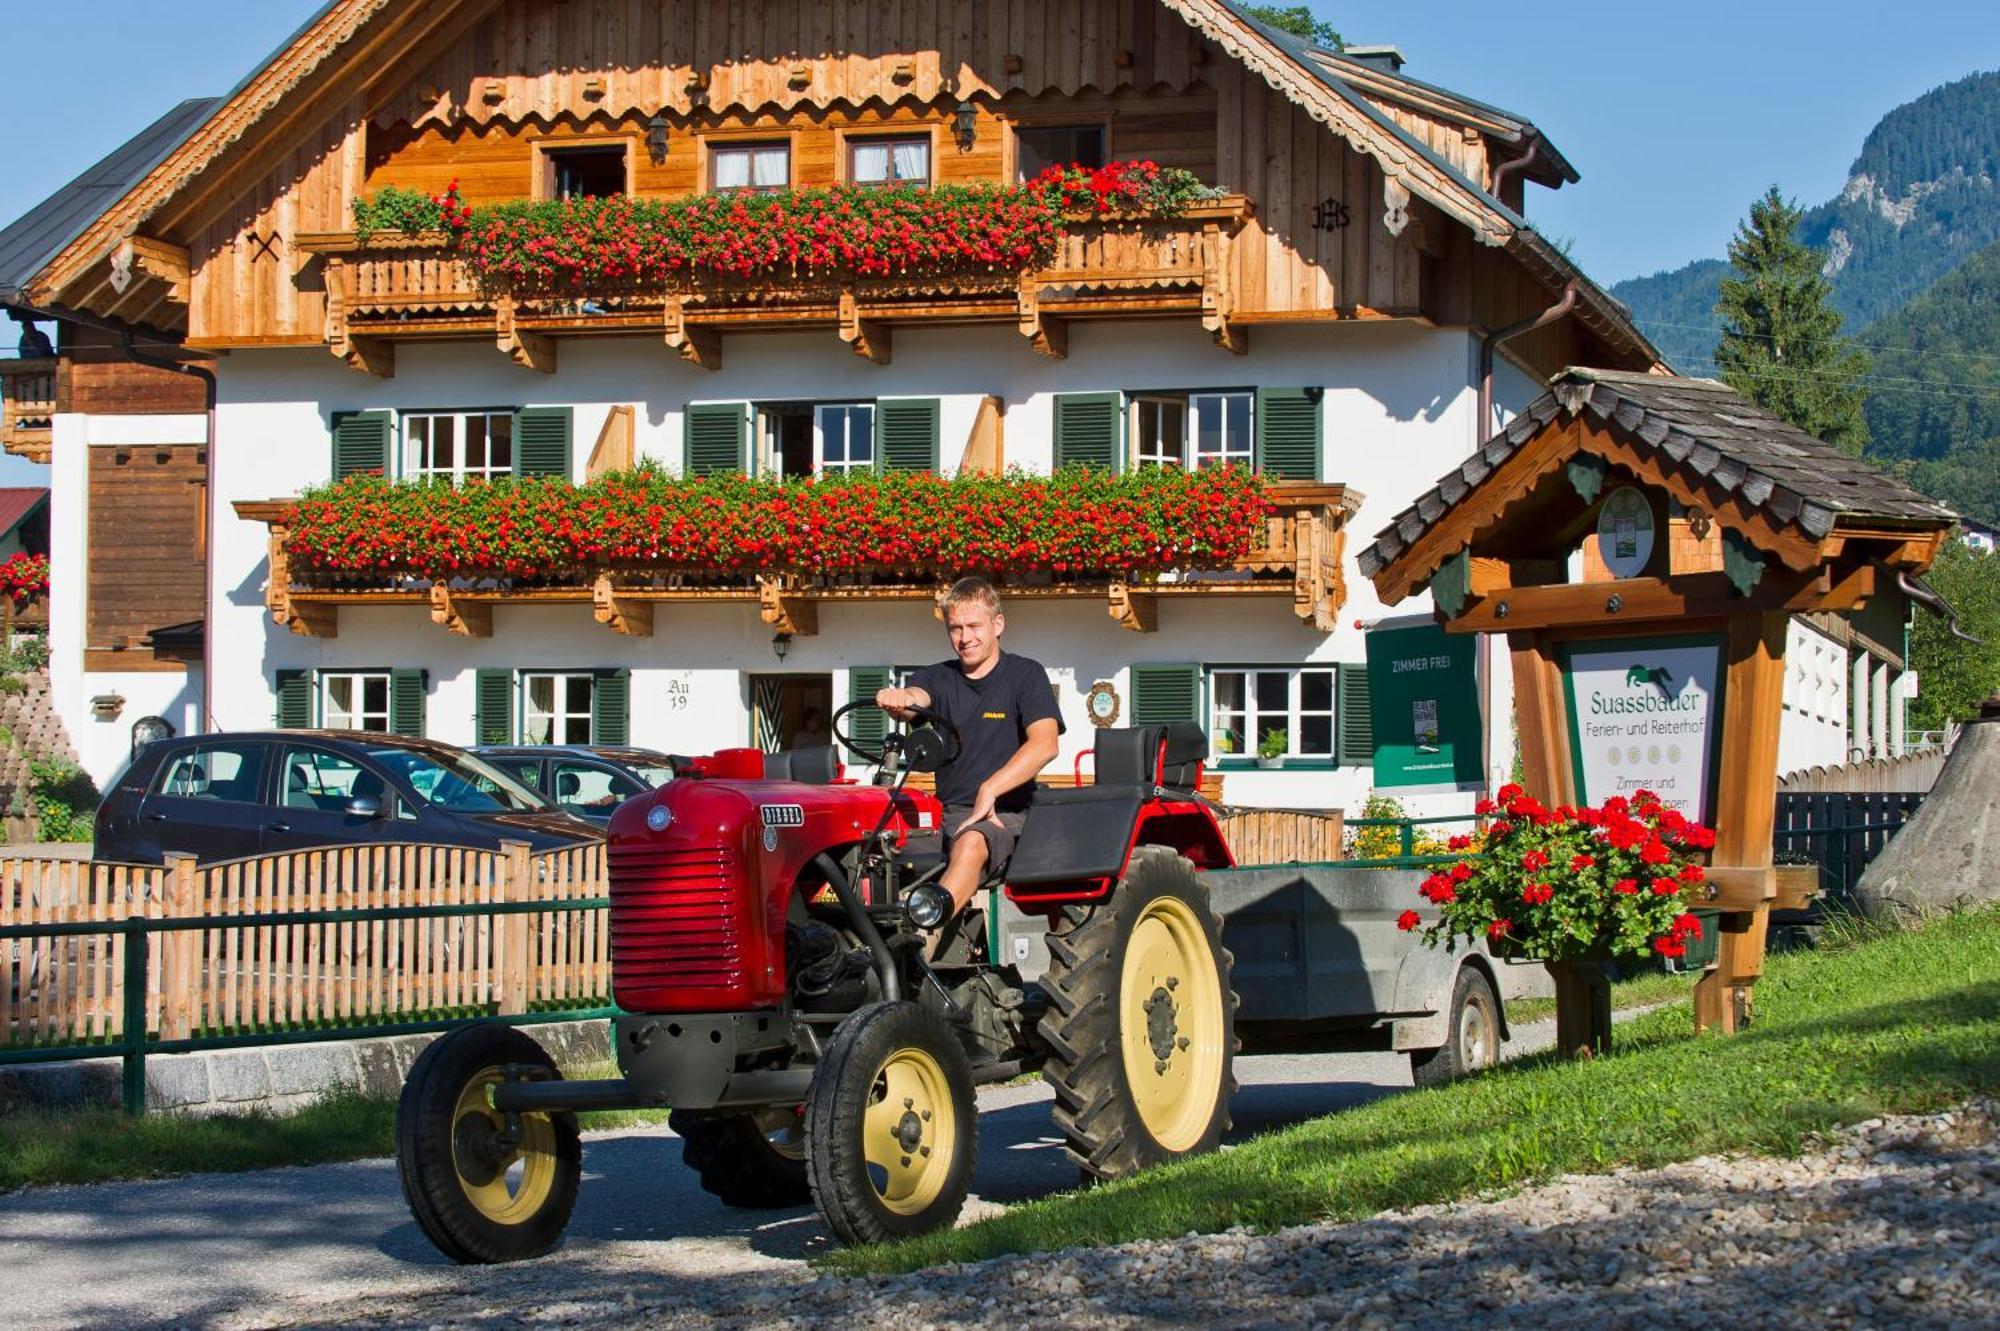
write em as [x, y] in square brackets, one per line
[1781, 344]
[1299, 21]
[1956, 675]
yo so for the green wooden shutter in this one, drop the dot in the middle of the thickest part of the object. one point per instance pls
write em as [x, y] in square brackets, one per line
[1087, 433]
[1356, 723]
[1162, 693]
[1288, 433]
[406, 702]
[906, 434]
[493, 707]
[868, 725]
[713, 435]
[361, 443]
[542, 438]
[295, 699]
[611, 707]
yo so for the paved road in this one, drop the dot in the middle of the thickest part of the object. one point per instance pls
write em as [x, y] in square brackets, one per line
[289, 1246]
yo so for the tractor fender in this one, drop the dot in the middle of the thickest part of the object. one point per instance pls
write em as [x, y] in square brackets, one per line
[1424, 984]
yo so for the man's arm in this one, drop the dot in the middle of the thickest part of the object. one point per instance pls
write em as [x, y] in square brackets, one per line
[1037, 751]
[902, 703]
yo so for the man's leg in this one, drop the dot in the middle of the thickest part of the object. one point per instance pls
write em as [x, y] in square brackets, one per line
[963, 868]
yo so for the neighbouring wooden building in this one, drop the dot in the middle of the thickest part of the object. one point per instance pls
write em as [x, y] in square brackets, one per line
[1354, 302]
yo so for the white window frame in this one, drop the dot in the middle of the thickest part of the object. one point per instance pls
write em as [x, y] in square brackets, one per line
[849, 413]
[458, 473]
[356, 717]
[1157, 405]
[1256, 720]
[559, 716]
[1242, 452]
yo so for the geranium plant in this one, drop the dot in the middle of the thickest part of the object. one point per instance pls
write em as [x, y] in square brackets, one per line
[1568, 884]
[24, 577]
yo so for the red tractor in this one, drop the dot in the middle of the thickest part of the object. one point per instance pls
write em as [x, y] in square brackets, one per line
[814, 1040]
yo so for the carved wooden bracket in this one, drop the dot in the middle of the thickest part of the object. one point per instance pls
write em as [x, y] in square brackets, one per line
[1135, 610]
[161, 260]
[308, 621]
[1218, 298]
[868, 337]
[366, 354]
[785, 610]
[468, 619]
[1046, 333]
[1318, 587]
[1395, 205]
[634, 619]
[530, 351]
[696, 346]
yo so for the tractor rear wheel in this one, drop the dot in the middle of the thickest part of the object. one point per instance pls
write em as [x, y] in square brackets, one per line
[755, 1160]
[484, 1188]
[1141, 1027]
[891, 1126]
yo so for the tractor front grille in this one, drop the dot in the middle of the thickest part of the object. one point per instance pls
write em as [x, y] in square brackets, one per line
[676, 919]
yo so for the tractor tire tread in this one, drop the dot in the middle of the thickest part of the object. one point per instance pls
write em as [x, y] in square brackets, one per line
[735, 1164]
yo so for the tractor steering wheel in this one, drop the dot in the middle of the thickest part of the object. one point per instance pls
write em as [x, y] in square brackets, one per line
[924, 752]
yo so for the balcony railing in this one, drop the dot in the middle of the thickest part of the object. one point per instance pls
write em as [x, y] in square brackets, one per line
[403, 285]
[1298, 557]
[28, 406]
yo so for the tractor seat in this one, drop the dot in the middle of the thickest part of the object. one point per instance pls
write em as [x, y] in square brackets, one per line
[1084, 831]
[812, 767]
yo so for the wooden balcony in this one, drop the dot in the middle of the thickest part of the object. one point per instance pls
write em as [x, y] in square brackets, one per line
[1298, 559]
[28, 406]
[408, 285]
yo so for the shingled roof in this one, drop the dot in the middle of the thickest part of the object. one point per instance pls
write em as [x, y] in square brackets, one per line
[1724, 437]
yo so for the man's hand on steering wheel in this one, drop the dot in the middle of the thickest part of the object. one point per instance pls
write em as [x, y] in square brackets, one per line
[902, 704]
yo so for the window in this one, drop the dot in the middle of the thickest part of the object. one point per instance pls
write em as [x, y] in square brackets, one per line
[1159, 431]
[586, 173]
[1037, 148]
[316, 779]
[1249, 703]
[458, 446]
[889, 161]
[1221, 433]
[556, 708]
[751, 166]
[588, 786]
[354, 701]
[227, 772]
[459, 781]
[844, 438]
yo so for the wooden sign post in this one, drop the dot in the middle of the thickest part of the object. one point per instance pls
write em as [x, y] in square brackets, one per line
[1643, 542]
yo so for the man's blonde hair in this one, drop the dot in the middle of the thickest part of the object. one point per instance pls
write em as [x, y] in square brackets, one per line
[967, 591]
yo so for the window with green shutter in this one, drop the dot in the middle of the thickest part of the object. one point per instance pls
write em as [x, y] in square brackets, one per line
[542, 440]
[406, 702]
[713, 437]
[867, 725]
[1163, 693]
[294, 699]
[1087, 429]
[906, 434]
[1357, 718]
[1288, 432]
[493, 707]
[611, 707]
[361, 441]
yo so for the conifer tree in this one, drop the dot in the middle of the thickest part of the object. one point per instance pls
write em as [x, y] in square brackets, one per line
[1781, 344]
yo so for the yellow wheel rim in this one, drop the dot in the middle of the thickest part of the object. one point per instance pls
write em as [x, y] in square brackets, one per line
[784, 1129]
[909, 1132]
[1170, 1023]
[484, 1161]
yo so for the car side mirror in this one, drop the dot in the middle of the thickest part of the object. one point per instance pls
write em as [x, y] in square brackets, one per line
[364, 808]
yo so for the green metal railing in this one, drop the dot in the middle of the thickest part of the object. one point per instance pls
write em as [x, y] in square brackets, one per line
[135, 1042]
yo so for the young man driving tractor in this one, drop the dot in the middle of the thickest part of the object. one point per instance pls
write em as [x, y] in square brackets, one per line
[1005, 714]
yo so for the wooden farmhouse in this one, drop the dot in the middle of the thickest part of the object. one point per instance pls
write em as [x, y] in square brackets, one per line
[1343, 294]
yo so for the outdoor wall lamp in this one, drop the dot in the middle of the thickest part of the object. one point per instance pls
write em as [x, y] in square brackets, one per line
[656, 138]
[965, 126]
[781, 645]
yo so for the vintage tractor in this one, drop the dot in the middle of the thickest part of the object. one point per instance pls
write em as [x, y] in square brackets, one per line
[787, 989]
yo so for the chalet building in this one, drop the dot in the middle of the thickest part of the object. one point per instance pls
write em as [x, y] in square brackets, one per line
[1352, 302]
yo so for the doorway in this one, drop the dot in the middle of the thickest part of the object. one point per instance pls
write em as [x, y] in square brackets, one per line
[790, 711]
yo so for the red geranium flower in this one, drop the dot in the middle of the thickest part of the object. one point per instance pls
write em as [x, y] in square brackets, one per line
[1407, 921]
[1665, 887]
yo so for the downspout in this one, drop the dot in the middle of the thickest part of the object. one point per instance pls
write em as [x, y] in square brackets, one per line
[1509, 167]
[207, 377]
[1491, 342]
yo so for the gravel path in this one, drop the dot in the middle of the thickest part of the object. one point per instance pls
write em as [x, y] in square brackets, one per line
[1893, 1222]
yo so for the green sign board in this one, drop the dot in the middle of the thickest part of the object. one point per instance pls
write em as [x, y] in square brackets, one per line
[1423, 689]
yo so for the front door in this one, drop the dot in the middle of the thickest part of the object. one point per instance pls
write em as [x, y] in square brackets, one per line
[315, 787]
[790, 711]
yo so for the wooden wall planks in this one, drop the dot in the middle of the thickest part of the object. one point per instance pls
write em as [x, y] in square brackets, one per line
[143, 556]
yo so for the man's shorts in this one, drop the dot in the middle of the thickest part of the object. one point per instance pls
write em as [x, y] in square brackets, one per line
[999, 840]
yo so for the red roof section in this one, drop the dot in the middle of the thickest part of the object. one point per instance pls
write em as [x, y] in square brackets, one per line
[17, 502]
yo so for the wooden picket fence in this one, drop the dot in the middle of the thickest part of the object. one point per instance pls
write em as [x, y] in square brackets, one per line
[1283, 836]
[230, 979]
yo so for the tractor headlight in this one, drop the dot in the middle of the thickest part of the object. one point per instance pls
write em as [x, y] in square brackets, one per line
[927, 906]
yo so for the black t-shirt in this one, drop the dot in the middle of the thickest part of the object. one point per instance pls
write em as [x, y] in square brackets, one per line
[992, 714]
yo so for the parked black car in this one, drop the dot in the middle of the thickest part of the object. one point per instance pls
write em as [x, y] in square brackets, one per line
[587, 781]
[223, 797]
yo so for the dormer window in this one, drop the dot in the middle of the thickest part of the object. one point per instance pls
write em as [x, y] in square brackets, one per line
[749, 166]
[898, 161]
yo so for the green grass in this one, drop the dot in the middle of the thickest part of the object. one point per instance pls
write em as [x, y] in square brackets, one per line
[1897, 1023]
[1635, 991]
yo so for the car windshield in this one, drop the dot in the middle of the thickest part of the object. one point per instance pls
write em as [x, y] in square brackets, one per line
[461, 783]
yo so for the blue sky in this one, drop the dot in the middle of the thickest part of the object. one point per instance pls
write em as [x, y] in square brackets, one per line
[1676, 115]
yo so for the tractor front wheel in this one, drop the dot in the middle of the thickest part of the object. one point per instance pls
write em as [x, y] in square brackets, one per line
[484, 1186]
[1142, 1024]
[755, 1160]
[891, 1125]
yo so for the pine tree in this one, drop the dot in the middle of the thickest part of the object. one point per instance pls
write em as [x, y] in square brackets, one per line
[1781, 344]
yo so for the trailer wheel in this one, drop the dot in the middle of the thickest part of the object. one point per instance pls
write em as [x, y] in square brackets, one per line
[1472, 1033]
[755, 1160]
[481, 1192]
[1141, 1027]
[891, 1126]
